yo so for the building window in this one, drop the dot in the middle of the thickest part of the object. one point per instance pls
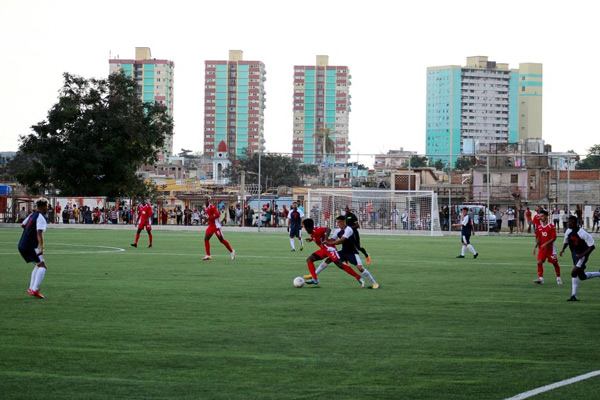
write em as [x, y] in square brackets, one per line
[514, 178]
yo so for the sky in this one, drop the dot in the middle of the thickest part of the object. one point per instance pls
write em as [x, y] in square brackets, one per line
[387, 46]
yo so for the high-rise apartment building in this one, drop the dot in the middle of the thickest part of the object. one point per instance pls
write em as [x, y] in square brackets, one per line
[234, 105]
[154, 78]
[321, 103]
[481, 104]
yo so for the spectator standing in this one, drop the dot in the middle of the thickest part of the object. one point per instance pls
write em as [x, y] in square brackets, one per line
[499, 214]
[510, 216]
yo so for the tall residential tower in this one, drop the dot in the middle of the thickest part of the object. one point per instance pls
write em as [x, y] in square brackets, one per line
[154, 78]
[234, 105]
[321, 103]
[481, 104]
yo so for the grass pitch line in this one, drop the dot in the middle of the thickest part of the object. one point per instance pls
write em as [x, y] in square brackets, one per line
[553, 386]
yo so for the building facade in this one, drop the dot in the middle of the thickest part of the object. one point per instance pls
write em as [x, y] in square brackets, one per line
[480, 104]
[234, 105]
[321, 104]
[155, 81]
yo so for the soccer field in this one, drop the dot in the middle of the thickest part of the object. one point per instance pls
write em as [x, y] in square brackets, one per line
[138, 323]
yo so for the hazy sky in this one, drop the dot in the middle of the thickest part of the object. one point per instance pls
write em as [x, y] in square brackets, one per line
[387, 45]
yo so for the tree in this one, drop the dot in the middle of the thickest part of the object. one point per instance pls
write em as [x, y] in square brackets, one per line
[464, 163]
[592, 160]
[417, 162]
[276, 170]
[437, 164]
[327, 144]
[94, 140]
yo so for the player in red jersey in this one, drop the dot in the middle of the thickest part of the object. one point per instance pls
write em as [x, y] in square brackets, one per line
[214, 227]
[144, 220]
[536, 220]
[545, 235]
[319, 235]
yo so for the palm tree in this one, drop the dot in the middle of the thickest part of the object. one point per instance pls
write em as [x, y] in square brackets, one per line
[324, 135]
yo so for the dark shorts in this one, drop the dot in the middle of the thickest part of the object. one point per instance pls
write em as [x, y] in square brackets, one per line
[294, 231]
[349, 257]
[466, 239]
[30, 256]
[579, 262]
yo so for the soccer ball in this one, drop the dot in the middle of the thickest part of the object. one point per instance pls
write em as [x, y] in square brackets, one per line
[298, 281]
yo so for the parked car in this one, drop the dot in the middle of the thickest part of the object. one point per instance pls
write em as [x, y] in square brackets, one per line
[474, 210]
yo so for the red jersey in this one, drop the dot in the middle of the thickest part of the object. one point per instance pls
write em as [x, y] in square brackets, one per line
[319, 236]
[144, 212]
[537, 220]
[545, 233]
[213, 216]
[528, 215]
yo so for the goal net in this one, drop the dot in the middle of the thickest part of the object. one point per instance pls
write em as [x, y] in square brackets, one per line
[398, 212]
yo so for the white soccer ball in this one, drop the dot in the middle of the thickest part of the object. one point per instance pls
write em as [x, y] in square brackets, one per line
[298, 281]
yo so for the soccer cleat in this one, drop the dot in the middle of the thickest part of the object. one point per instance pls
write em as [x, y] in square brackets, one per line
[133, 244]
[558, 281]
[539, 281]
[301, 247]
[38, 294]
[311, 281]
[30, 292]
[293, 250]
[233, 254]
[362, 282]
[206, 258]
[307, 277]
[368, 259]
[375, 286]
[476, 254]
[573, 298]
[149, 245]
[460, 256]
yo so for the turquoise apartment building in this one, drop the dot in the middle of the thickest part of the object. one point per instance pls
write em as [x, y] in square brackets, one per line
[475, 107]
[321, 101]
[155, 80]
[234, 105]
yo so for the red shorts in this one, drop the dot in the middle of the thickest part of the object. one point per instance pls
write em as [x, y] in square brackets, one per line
[327, 252]
[145, 224]
[214, 230]
[544, 255]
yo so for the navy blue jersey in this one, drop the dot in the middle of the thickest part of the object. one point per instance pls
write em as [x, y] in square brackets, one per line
[295, 217]
[466, 226]
[34, 222]
[579, 240]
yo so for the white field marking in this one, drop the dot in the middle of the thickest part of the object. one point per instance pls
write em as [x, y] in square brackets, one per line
[108, 249]
[553, 386]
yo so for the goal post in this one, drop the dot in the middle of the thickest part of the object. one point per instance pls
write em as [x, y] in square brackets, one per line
[390, 212]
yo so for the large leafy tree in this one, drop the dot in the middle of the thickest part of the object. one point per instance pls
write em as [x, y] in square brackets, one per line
[417, 162]
[94, 140]
[276, 170]
[592, 160]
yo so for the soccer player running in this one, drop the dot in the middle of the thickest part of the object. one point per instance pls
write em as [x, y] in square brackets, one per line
[345, 236]
[144, 220]
[545, 235]
[466, 226]
[581, 245]
[352, 222]
[214, 228]
[31, 246]
[319, 235]
[295, 218]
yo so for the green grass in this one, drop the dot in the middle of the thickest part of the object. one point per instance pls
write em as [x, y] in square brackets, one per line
[161, 324]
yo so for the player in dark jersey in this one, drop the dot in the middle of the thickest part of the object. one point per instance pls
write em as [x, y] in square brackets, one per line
[352, 222]
[31, 246]
[466, 228]
[319, 235]
[581, 245]
[295, 218]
